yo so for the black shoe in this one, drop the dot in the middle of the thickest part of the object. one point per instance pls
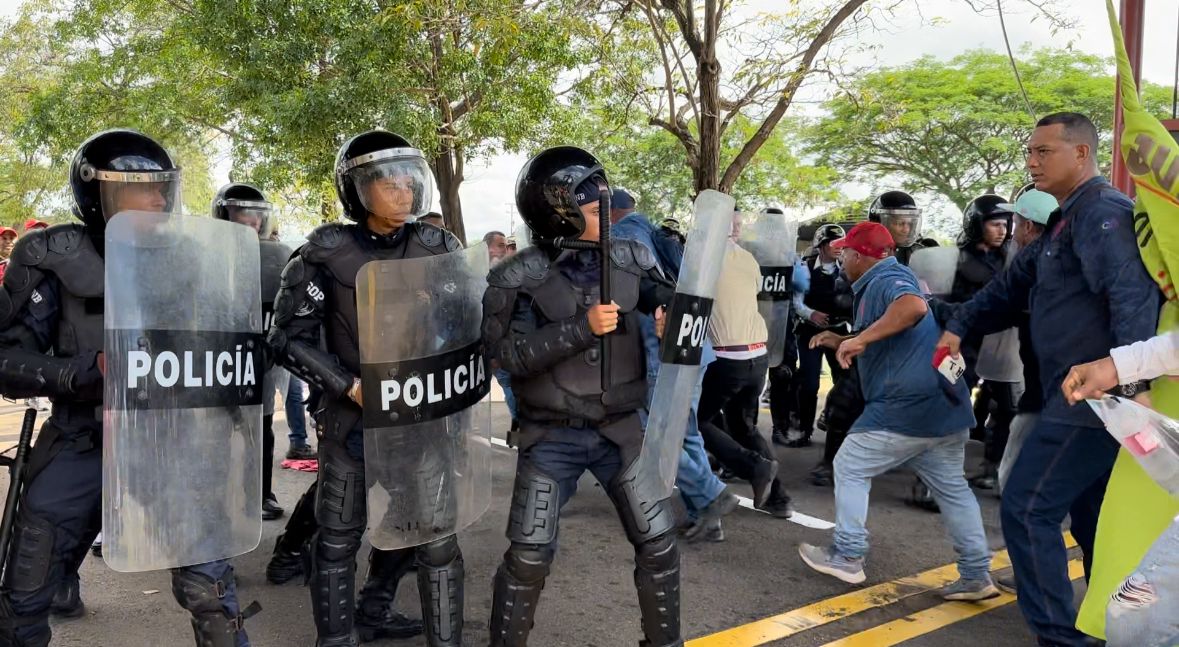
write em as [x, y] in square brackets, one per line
[705, 530]
[390, 624]
[921, 497]
[823, 475]
[821, 423]
[1006, 584]
[284, 565]
[780, 438]
[96, 549]
[781, 509]
[301, 453]
[725, 474]
[270, 509]
[763, 478]
[67, 602]
[802, 441]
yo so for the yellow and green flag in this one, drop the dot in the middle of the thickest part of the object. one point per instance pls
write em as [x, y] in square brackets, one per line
[1136, 510]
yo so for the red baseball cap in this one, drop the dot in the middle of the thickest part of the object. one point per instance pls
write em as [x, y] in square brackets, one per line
[871, 239]
[7, 230]
[33, 223]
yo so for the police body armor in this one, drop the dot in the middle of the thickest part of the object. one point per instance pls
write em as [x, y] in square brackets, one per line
[829, 294]
[67, 252]
[337, 248]
[274, 256]
[571, 391]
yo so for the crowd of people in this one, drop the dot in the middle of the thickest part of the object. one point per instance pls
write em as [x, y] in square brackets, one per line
[962, 364]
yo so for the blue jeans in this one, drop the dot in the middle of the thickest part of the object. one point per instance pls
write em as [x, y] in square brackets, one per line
[938, 461]
[698, 484]
[565, 454]
[505, 382]
[1144, 611]
[1061, 471]
[296, 413]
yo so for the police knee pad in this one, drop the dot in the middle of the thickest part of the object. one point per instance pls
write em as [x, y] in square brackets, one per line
[332, 545]
[198, 593]
[535, 508]
[659, 554]
[528, 563]
[340, 495]
[439, 553]
[32, 552]
[643, 517]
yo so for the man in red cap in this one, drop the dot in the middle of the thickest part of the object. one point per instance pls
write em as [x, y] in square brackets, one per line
[7, 241]
[33, 223]
[913, 416]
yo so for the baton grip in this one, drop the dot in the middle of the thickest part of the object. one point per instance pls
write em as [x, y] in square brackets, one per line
[16, 483]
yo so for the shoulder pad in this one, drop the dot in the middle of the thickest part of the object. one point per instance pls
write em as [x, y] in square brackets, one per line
[31, 248]
[329, 236]
[452, 242]
[529, 267]
[324, 240]
[631, 256]
[294, 272]
[65, 239]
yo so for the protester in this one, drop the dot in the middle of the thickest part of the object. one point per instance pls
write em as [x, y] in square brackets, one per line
[912, 416]
[1088, 292]
[733, 383]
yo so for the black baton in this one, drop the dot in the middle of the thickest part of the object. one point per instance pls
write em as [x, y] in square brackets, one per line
[16, 469]
[604, 245]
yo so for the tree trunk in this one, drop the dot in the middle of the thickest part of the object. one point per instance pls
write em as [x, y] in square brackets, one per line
[448, 171]
[708, 71]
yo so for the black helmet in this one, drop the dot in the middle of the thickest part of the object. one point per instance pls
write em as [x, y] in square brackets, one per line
[826, 234]
[980, 210]
[244, 204]
[114, 160]
[379, 155]
[546, 191]
[898, 211]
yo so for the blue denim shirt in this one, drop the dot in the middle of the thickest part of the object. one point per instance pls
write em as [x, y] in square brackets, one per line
[903, 393]
[1085, 286]
[636, 226]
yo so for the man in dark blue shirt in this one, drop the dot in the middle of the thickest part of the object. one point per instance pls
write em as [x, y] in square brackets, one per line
[1087, 291]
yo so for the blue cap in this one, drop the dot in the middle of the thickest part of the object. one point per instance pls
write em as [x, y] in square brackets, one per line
[620, 199]
[1036, 206]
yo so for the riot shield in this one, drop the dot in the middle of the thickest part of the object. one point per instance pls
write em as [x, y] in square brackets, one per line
[427, 428]
[935, 267]
[774, 243]
[686, 327]
[182, 413]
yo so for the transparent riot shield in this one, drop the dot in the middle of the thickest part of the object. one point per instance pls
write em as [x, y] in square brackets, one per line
[685, 331]
[182, 474]
[427, 436]
[1150, 437]
[773, 241]
[935, 267]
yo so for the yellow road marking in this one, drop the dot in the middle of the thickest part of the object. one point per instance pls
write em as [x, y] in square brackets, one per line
[932, 619]
[784, 625]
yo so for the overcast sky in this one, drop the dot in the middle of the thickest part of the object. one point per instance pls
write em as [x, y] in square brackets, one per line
[949, 30]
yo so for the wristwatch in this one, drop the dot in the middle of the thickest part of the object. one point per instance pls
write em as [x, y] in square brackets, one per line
[1132, 389]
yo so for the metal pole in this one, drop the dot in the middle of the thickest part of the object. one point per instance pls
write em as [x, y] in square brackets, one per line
[15, 483]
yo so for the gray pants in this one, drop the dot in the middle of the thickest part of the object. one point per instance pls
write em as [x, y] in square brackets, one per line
[1021, 426]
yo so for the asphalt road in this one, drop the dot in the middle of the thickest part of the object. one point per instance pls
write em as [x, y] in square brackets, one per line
[589, 599]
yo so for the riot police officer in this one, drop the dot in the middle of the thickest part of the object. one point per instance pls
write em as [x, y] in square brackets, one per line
[246, 205]
[383, 184]
[51, 342]
[543, 322]
[899, 212]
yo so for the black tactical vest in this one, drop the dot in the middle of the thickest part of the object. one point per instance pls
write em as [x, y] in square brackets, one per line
[340, 251]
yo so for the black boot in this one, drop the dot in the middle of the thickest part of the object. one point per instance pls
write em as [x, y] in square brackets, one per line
[921, 497]
[285, 565]
[375, 616]
[823, 475]
[803, 440]
[292, 549]
[67, 602]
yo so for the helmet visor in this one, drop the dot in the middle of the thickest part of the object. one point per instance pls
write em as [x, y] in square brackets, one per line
[152, 191]
[254, 214]
[392, 184]
[903, 224]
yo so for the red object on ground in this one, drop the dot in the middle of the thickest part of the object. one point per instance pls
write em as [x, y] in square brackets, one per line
[310, 465]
